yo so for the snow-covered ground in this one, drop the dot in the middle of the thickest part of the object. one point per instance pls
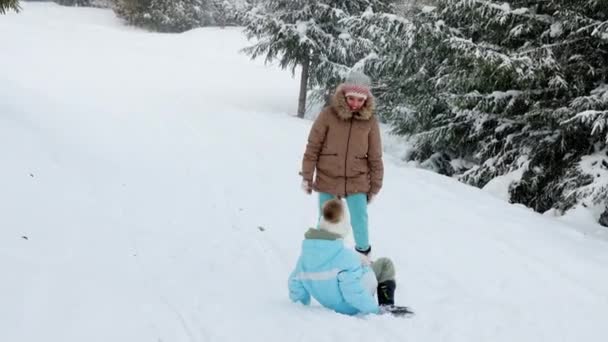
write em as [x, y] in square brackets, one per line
[149, 192]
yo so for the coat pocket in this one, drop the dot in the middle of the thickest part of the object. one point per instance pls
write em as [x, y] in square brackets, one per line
[328, 164]
[360, 164]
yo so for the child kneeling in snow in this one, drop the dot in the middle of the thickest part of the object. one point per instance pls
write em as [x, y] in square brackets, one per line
[336, 276]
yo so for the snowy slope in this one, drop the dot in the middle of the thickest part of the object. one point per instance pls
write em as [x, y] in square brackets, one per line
[149, 192]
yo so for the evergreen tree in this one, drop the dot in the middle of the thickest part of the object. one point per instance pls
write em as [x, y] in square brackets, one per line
[165, 15]
[82, 3]
[224, 13]
[311, 35]
[486, 88]
[6, 5]
[86, 3]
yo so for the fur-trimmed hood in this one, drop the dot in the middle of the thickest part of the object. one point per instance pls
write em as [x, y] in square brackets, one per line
[340, 107]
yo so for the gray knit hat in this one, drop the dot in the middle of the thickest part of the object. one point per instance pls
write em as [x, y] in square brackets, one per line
[357, 84]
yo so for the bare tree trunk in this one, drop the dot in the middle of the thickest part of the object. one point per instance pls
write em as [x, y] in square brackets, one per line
[327, 96]
[604, 218]
[303, 87]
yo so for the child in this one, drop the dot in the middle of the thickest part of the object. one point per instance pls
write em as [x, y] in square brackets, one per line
[335, 275]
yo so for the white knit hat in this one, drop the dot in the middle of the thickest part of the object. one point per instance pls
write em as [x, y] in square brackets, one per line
[334, 218]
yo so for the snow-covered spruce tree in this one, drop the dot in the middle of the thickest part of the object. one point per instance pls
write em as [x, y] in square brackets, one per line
[165, 15]
[231, 12]
[224, 12]
[310, 34]
[86, 3]
[82, 3]
[408, 7]
[486, 88]
[6, 5]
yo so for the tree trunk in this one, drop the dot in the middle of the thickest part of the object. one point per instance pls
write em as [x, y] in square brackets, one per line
[604, 218]
[303, 87]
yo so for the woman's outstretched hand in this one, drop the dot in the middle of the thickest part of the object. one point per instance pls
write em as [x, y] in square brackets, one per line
[306, 187]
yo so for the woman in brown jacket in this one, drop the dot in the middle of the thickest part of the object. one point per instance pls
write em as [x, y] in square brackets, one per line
[344, 154]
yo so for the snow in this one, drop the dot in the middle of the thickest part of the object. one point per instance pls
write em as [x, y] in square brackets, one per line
[369, 12]
[501, 95]
[499, 186]
[302, 28]
[583, 219]
[149, 192]
[520, 11]
[557, 30]
[591, 116]
[596, 165]
[439, 24]
[345, 36]
[504, 7]
[427, 9]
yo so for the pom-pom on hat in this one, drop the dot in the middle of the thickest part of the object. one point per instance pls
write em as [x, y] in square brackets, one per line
[333, 218]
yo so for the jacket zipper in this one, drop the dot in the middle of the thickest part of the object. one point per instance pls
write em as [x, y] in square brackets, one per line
[350, 128]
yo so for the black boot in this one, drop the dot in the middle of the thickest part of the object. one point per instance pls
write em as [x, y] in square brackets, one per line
[386, 292]
[386, 300]
[397, 311]
[365, 251]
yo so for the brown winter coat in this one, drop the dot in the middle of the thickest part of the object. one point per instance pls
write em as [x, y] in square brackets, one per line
[345, 150]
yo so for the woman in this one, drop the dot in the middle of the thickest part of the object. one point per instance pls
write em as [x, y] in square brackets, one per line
[344, 154]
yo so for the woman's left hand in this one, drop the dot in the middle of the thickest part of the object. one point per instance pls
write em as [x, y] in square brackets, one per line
[370, 198]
